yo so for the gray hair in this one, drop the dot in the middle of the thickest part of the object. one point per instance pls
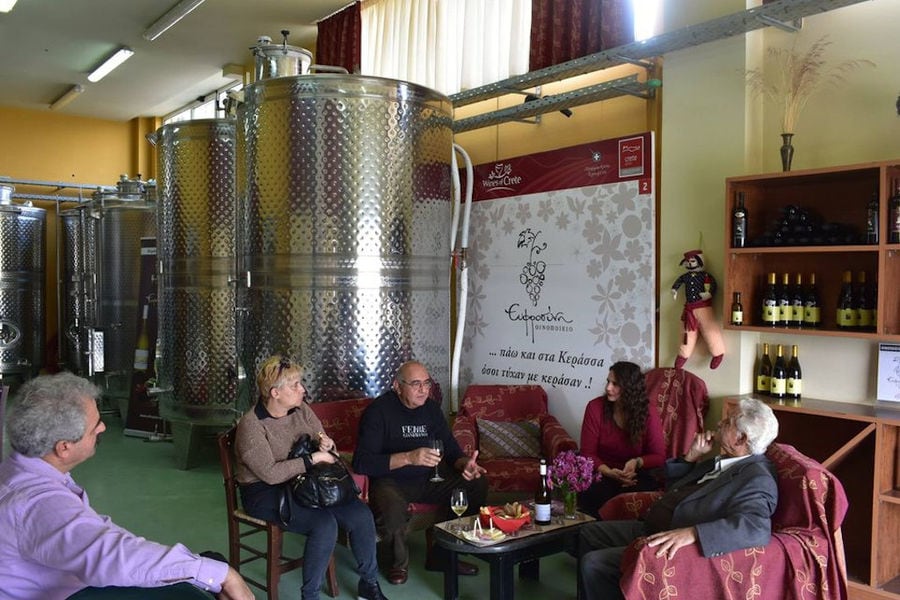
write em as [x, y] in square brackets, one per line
[758, 423]
[49, 409]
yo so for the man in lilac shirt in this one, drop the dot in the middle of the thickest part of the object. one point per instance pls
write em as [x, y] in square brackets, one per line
[54, 546]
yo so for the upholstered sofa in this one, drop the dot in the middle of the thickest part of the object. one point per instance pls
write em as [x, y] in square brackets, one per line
[510, 404]
[803, 560]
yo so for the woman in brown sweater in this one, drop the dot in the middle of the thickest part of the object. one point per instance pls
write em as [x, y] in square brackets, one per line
[265, 436]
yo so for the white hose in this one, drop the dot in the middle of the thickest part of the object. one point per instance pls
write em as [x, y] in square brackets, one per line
[463, 281]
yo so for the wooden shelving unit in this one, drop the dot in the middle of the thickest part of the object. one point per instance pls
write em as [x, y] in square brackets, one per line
[860, 444]
[834, 195]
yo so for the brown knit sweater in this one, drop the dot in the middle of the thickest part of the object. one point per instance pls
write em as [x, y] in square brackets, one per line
[263, 442]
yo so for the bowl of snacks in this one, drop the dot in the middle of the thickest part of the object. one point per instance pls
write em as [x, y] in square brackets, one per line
[510, 517]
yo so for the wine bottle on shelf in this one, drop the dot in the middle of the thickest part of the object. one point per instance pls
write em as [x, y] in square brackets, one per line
[797, 302]
[785, 311]
[764, 373]
[142, 348]
[846, 315]
[794, 376]
[542, 497]
[894, 215]
[865, 317]
[737, 310]
[873, 300]
[739, 223]
[778, 382]
[812, 311]
[872, 221]
[770, 311]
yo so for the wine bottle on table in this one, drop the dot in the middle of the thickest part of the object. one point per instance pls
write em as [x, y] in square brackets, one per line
[764, 373]
[737, 310]
[785, 311]
[770, 310]
[846, 316]
[542, 497]
[794, 376]
[797, 302]
[812, 311]
[739, 223]
[779, 375]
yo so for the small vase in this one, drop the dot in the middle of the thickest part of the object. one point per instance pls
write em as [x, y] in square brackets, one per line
[570, 502]
[787, 151]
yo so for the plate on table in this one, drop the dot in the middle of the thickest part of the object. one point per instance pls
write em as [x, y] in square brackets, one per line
[484, 537]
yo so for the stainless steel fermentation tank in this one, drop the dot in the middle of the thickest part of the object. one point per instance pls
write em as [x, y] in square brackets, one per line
[100, 242]
[21, 286]
[346, 241]
[197, 370]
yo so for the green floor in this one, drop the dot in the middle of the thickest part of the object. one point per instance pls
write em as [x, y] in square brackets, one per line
[137, 484]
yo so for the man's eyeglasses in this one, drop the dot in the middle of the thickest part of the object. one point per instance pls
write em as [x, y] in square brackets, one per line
[418, 384]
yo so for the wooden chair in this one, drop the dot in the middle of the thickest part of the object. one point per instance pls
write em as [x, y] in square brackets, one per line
[241, 526]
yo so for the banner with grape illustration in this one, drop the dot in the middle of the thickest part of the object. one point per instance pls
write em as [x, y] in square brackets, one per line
[562, 278]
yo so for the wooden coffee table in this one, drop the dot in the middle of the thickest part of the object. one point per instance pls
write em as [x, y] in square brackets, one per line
[525, 549]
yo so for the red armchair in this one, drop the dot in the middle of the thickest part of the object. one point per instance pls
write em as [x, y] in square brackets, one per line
[510, 403]
[804, 559]
[682, 401]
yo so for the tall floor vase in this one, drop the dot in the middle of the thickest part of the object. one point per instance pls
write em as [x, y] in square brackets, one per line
[787, 151]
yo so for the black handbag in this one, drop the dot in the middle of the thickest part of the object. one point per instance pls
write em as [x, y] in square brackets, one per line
[322, 485]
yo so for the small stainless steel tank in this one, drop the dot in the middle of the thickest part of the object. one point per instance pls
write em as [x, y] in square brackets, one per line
[21, 286]
[197, 346]
[346, 208]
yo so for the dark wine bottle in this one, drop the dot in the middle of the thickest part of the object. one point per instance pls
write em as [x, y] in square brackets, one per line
[778, 383]
[812, 311]
[542, 497]
[785, 310]
[894, 215]
[865, 311]
[872, 221]
[797, 302]
[846, 316]
[770, 311]
[737, 310]
[764, 373]
[794, 376]
[739, 223]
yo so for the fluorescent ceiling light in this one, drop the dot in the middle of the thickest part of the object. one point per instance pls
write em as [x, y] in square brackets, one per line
[174, 14]
[70, 95]
[117, 58]
[7, 5]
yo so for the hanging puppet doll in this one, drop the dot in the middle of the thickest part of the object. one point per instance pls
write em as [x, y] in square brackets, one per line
[698, 314]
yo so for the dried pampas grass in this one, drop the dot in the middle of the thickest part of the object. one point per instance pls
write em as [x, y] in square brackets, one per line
[798, 75]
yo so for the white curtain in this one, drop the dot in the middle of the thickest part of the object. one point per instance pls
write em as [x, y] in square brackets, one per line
[448, 45]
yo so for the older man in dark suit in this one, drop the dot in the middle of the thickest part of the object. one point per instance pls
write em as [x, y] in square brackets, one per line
[723, 504]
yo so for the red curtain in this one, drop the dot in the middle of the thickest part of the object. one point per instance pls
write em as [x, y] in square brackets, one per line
[338, 40]
[562, 30]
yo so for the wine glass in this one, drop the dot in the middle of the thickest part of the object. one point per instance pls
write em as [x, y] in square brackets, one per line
[438, 445]
[459, 503]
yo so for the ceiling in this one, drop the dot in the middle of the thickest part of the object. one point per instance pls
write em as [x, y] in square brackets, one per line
[47, 46]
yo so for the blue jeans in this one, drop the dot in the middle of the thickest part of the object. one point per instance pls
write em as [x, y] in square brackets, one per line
[320, 526]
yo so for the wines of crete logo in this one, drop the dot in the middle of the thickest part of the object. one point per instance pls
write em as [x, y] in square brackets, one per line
[501, 179]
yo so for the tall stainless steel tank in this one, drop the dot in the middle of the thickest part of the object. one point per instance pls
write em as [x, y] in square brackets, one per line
[347, 228]
[21, 286]
[101, 245]
[197, 347]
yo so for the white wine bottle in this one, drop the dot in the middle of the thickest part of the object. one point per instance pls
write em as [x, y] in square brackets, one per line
[794, 376]
[764, 373]
[779, 375]
[542, 498]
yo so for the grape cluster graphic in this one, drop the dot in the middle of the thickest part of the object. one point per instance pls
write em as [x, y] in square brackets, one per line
[532, 275]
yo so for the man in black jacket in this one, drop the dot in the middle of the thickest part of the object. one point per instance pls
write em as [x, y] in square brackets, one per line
[394, 450]
[723, 504]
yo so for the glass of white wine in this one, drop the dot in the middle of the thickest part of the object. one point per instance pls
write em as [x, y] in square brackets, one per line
[438, 445]
[459, 503]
